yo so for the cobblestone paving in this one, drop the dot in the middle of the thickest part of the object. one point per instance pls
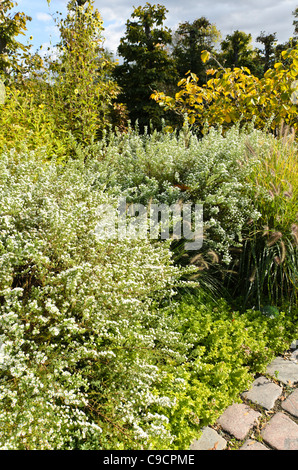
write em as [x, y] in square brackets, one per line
[266, 418]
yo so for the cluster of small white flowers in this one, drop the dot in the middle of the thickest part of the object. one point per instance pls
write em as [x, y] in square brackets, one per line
[75, 311]
[146, 168]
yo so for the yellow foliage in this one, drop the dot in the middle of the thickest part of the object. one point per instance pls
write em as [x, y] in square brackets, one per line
[27, 124]
[231, 95]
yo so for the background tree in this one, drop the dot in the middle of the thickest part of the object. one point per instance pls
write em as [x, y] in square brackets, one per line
[233, 95]
[237, 51]
[83, 88]
[295, 21]
[292, 42]
[11, 26]
[268, 53]
[67, 99]
[146, 65]
[190, 40]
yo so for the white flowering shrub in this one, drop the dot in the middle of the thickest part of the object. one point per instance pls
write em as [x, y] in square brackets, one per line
[164, 168]
[96, 351]
[81, 344]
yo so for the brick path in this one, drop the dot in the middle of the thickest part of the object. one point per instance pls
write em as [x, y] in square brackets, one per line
[267, 416]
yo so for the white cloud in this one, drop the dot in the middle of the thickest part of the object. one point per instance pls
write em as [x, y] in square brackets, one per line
[112, 34]
[48, 50]
[251, 16]
[44, 17]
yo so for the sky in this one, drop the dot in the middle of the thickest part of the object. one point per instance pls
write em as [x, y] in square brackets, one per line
[251, 16]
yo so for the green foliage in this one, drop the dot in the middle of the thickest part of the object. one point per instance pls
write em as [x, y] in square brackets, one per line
[237, 51]
[228, 346]
[268, 41]
[295, 21]
[82, 89]
[225, 350]
[65, 101]
[190, 39]
[268, 264]
[26, 122]
[146, 63]
[11, 26]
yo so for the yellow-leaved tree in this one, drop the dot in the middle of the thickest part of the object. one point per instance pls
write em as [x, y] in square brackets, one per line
[65, 98]
[230, 95]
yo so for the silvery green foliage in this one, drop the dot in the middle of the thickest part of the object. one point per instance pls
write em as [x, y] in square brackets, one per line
[2, 92]
[214, 169]
[80, 342]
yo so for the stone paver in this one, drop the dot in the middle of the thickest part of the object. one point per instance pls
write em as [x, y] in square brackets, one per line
[250, 444]
[294, 356]
[238, 419]
[284, 370]
[263, 392]
[281, 433]
[291, 403]
[209, 440]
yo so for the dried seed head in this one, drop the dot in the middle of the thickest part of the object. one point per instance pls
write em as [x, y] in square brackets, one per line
[276, 189]
[250, 148]
[295, 236]
[290, 186]
[253, 275]
[295, 233]
[199, 261]
[274, 238]
[214, 257]
[283, 252]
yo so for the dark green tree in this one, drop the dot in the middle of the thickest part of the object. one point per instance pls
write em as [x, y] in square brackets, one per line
[290, 43]
[268, 52]
[147, 64]
[190, 39]
[295, 21]
[237, 51]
